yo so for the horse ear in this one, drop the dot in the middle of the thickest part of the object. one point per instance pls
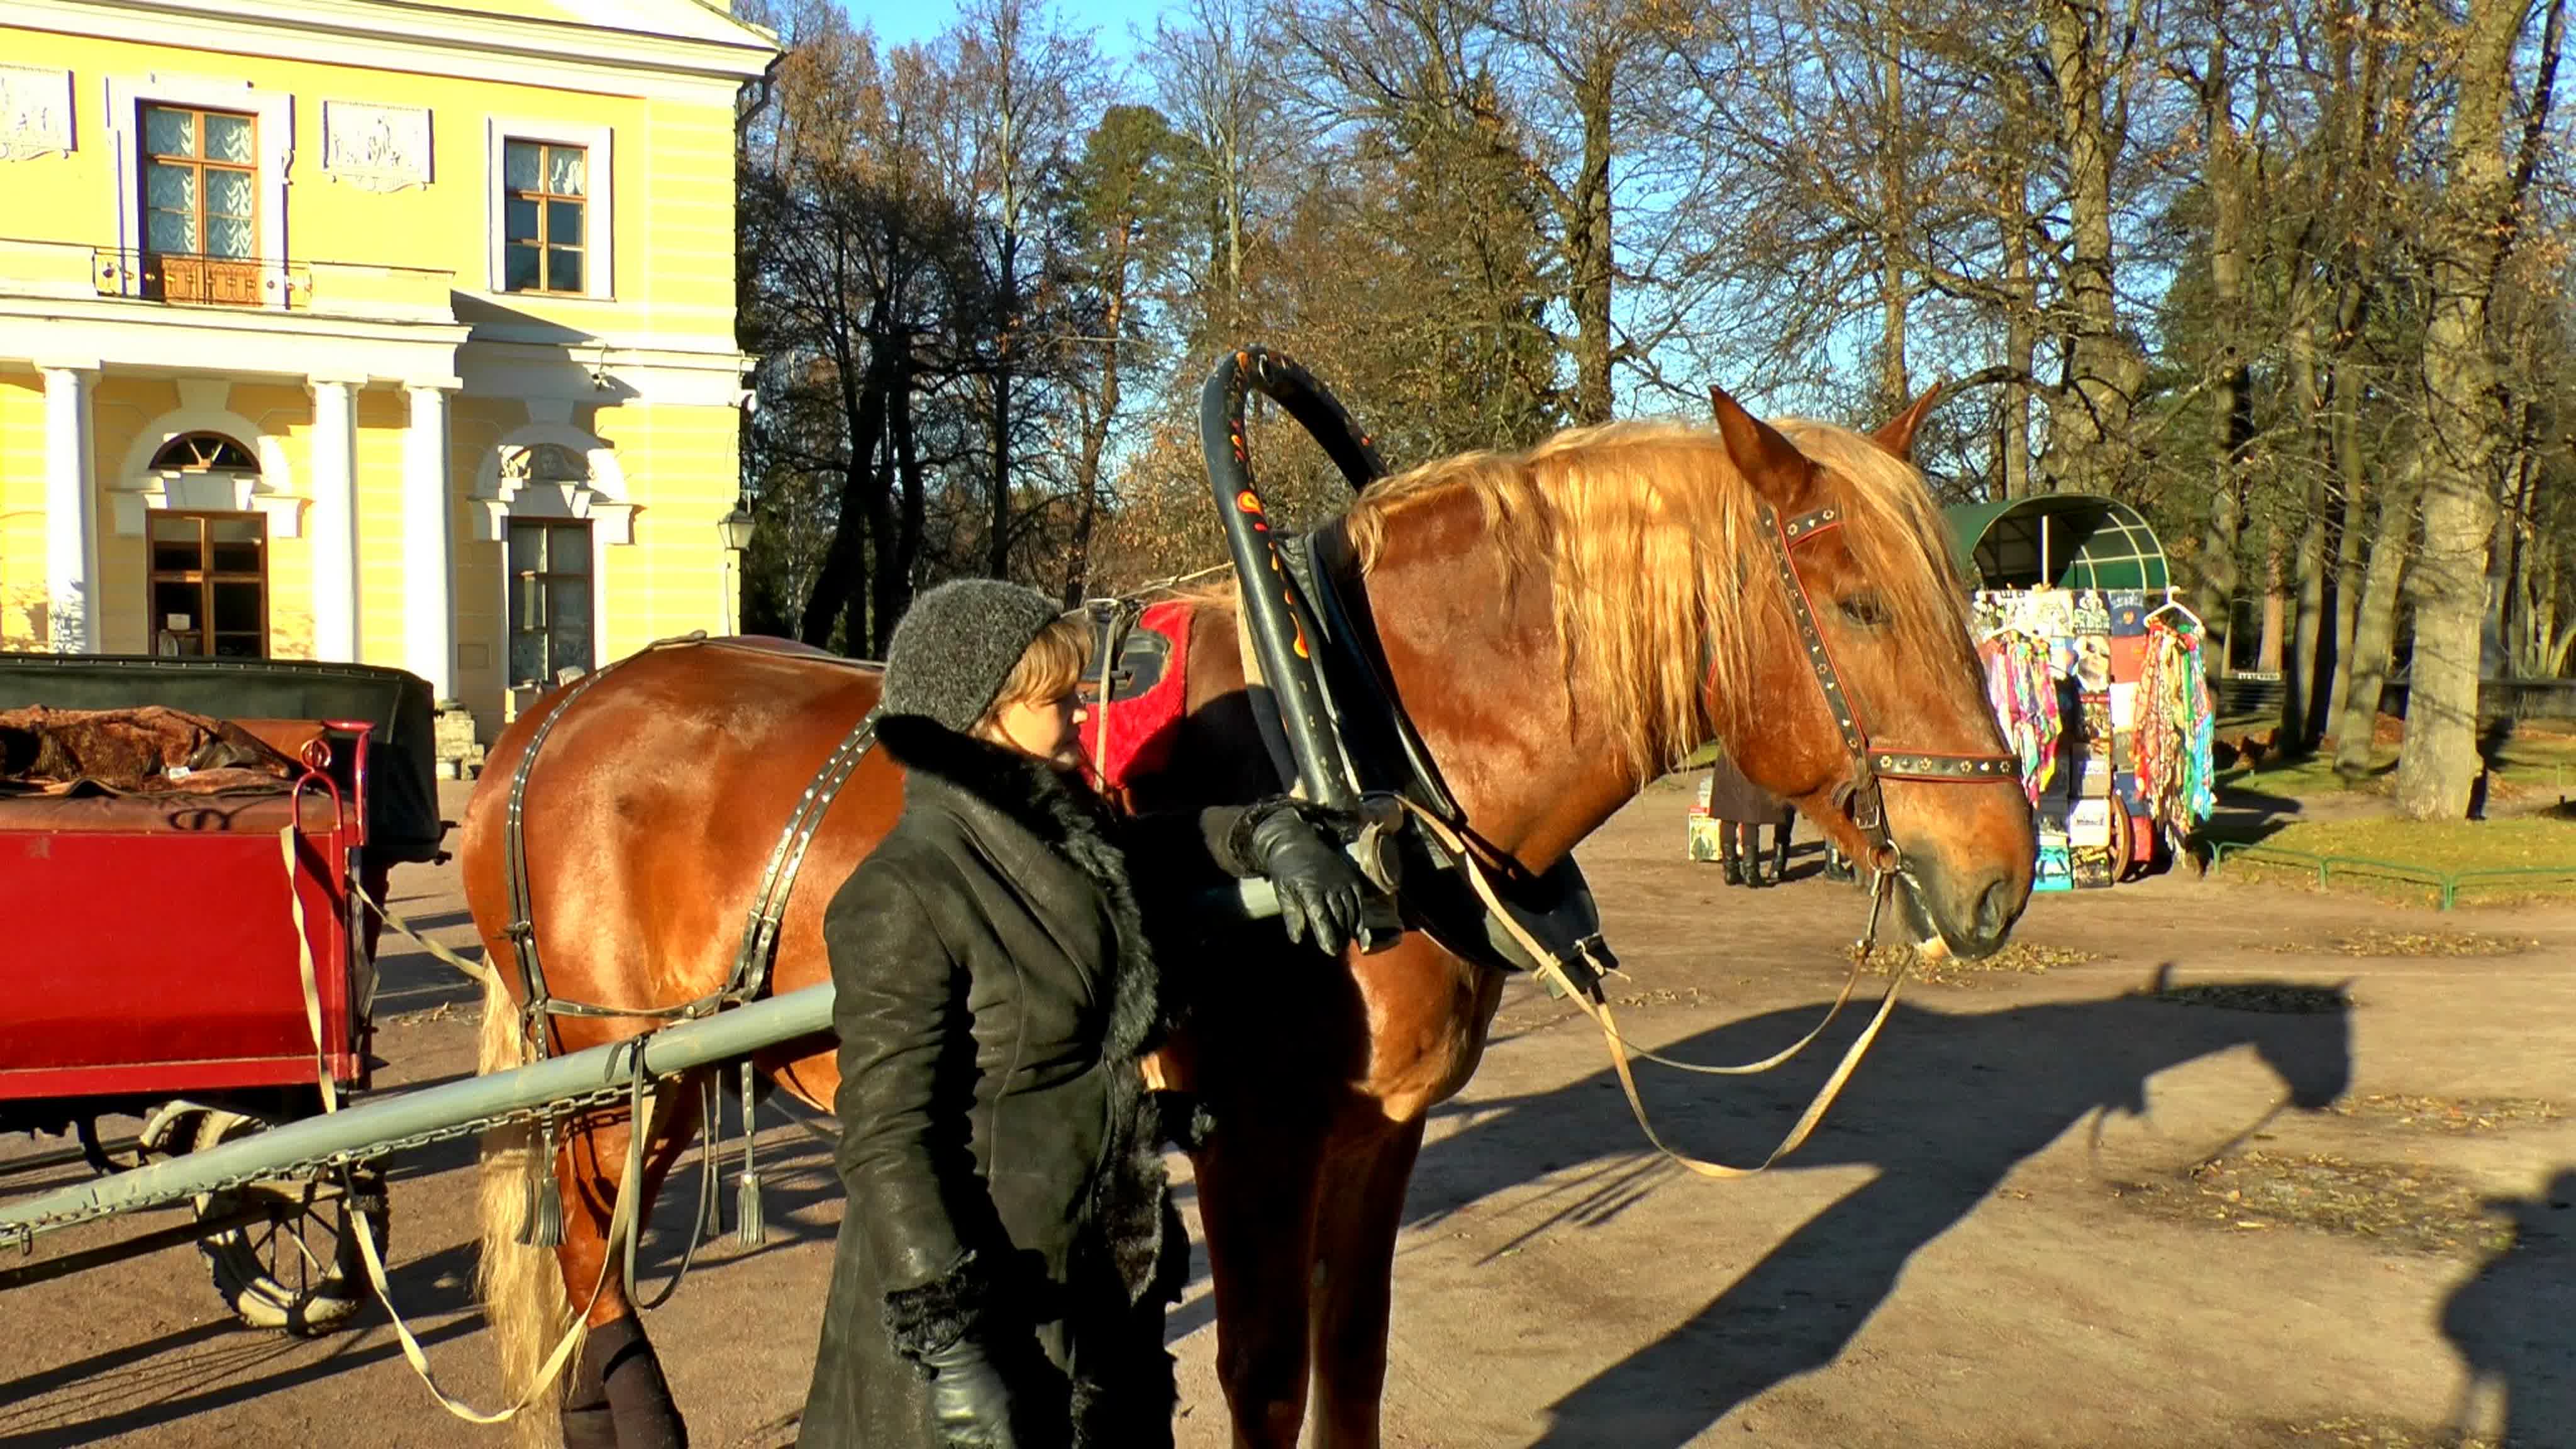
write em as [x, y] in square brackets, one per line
[1768, 461]
[1898, 436]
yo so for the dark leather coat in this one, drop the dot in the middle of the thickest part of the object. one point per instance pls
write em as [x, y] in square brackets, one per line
[995, 992]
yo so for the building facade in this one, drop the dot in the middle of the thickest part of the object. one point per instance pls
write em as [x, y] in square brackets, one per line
[400, 333]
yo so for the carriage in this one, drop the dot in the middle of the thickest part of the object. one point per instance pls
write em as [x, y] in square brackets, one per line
[198, 960]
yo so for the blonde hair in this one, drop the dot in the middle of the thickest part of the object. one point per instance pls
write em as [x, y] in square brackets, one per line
[1651, 543]
[1050, 668]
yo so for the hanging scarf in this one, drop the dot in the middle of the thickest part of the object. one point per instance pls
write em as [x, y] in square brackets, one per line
[2175, 728]
[2023, 696]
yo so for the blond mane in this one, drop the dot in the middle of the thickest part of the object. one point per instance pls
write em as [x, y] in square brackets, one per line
[1650, 542]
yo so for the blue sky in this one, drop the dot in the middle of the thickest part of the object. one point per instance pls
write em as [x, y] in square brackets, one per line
[899, 22]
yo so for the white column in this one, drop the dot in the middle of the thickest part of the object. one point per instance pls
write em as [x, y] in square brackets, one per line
[429, 562]
[71, 510]
[335, 518]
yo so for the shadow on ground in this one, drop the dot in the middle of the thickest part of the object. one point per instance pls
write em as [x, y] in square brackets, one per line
[1945, 1109]
[2510, 1321]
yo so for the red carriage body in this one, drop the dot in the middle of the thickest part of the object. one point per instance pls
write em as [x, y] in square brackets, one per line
[151, 951]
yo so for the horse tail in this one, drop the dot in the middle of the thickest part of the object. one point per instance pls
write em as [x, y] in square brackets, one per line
[520, 1284]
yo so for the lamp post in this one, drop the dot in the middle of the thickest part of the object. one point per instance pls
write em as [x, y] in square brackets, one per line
[735, 529]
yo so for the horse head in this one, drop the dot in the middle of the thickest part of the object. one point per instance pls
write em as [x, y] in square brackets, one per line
[1845, 680]
[2301, 1030]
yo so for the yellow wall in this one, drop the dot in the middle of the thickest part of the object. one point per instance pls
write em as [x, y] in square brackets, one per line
[673, 237]
[680, 463]
[23, 607]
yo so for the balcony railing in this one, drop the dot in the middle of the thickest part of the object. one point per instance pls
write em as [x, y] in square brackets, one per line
[337, 289]
[203, 280]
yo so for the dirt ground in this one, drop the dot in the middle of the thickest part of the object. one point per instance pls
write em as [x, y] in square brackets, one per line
[1998, 1238]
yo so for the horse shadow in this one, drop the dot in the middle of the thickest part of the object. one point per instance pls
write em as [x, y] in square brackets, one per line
[1946, 1108]
[2510, 1321]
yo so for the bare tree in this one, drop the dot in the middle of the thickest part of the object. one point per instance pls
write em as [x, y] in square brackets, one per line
[2440, 761]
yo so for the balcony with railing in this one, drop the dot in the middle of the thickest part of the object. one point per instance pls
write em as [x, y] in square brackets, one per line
[355, 291]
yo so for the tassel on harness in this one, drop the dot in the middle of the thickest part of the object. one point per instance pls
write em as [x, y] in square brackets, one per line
[749, 1227]
[541, 1223]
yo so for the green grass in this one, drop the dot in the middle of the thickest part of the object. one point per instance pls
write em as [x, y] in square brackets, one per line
[2531, 764]
[2519, 843]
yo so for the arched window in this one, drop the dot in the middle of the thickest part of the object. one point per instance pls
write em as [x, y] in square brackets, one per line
[203, 453]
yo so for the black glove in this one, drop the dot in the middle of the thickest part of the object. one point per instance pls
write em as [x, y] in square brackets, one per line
[1319, 889]
[970, 1401]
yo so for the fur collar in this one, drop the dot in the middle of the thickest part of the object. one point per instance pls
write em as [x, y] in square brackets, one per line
[1051, 804]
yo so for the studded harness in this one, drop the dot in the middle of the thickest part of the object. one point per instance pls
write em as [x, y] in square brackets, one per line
[1871, 762]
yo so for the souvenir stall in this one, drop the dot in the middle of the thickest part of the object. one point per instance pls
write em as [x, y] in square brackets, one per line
[2094, 670]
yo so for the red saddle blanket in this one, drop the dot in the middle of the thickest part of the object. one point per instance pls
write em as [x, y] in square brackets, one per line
[1130, 734]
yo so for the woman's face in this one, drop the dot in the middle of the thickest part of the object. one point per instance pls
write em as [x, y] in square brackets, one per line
[1044, 729]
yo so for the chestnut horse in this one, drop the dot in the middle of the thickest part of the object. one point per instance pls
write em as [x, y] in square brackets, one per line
[1562, 625]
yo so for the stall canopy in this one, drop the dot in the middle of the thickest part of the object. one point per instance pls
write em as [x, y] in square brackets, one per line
[2070, 540]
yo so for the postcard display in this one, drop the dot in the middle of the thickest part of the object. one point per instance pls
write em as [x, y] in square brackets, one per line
[2100, 695]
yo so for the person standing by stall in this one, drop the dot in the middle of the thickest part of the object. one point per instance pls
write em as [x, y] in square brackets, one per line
[1741, 808]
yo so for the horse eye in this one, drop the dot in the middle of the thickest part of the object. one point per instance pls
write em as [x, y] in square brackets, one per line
[1865, 610]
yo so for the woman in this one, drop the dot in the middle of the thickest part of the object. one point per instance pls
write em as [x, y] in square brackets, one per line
[1009, 1247]
[1741, 808]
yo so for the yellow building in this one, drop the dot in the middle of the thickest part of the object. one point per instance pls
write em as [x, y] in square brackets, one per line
[391, 332]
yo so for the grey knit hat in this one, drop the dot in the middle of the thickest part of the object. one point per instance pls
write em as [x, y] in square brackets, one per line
[956, 645]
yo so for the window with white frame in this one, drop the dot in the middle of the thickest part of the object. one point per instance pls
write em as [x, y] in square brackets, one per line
[200, 165]
[550, 599]
[552, 211]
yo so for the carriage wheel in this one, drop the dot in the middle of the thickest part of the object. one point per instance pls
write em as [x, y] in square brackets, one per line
[298, 1270]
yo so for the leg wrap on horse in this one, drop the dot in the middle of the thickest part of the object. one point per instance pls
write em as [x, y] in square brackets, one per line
[618, 1389]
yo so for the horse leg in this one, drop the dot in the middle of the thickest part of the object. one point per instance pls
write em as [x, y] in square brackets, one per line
[1361, 1209]
[1257, 1184]
[617, 1397]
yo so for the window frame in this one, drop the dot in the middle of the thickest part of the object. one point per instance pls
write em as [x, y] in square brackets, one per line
[599, 205]
[204, 579]
[546, 201]
[512, 579]
[273, 140]
[201, 163]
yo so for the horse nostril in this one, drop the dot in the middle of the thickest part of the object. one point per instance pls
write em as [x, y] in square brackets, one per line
[1994, 910]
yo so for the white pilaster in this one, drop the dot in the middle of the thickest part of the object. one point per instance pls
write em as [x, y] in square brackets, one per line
[71, 510]
[429, 564]
[335, 518]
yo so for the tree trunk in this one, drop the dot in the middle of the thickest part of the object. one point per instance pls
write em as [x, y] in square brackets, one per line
[2440, 762]
[2301, 721]
[2374, 630]
[2088, 422]
[1588, 247]
[997, 543]
[895, 581]
[841, 584]
[1895, 390]
[2021, 334]
[1095, 436]
[2231, 400]
[2352, 479]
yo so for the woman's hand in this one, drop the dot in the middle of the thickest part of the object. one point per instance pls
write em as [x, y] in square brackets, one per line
[970, 1401]
[1319, 889]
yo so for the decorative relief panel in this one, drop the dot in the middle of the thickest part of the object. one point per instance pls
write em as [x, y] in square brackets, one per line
[381, 148]
[35, 112]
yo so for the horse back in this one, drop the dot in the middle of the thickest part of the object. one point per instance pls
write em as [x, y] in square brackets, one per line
[650, 815]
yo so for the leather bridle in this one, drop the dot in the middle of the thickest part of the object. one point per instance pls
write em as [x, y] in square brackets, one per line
[1871, 762]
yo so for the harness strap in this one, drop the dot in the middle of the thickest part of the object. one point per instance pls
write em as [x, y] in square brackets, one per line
[622, 1213]
[537, 1012]
[1550, 964]
[1870, 765]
